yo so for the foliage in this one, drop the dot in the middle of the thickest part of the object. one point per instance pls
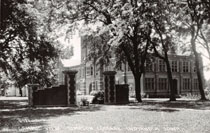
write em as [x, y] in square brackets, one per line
[24, 52]
[191, 25]
[98, 48]
[134, 28]
[84, 102]
[98, 97]
[163, 38]
[67, 52]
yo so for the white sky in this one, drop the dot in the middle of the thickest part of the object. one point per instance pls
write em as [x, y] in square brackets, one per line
[206, 64]
[75, 41]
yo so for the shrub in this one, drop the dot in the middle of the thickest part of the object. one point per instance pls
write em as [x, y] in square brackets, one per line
[84, 102]
[98, 97]
[191, 96]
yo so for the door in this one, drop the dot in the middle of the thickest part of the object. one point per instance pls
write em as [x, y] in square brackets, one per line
[175, 85]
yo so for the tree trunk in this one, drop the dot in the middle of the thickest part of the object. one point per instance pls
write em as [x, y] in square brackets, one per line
[200, 81]
[138, 87]
[125, 73]
[20, 91]
[170, 81]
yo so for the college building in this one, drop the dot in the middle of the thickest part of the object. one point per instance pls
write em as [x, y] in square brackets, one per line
[154, 82]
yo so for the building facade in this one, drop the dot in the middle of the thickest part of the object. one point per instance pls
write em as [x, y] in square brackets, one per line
[154, 82]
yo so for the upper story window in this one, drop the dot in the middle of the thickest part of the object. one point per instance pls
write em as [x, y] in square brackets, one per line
[149, 83]
[129, 69]
[174, 67]
[149, 66]
[163, 85]
[120, 67]
[194, 68]
[186, 84]
[186, 66]
[196, 87]
[162, 66]
[88, 70]
[91, 72]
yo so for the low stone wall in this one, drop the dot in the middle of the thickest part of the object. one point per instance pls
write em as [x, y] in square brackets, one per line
[122, 93]
[63, 95]
[55, 96]
[114, 94]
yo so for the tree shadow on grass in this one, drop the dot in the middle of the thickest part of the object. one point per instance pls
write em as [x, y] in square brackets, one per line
[13, 104]
[171, 106]
[16, 116]
[161, 110]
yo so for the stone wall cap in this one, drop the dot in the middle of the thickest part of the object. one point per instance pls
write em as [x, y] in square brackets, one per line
[70, 71]
[32, 84]
[109, 72]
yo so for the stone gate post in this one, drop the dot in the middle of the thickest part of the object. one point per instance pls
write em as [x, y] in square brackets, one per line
[109, 87]
[31, 89]
[70, 82]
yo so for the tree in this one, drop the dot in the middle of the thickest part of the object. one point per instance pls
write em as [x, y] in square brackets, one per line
[21, 44]
[191, 20]
[123, 19]
[203, 37]
[161, 18]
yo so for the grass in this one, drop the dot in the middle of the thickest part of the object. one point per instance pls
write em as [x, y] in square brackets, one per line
[153, 115]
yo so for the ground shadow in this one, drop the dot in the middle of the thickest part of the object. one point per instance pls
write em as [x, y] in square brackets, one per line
[171, 106]
[160, 110]
[16, 116]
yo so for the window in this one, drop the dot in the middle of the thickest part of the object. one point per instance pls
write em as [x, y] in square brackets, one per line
[149, 83]
[163, 84]
[161, 66]
[88, 70]
[194, 68]
[149, 66]
[186, 84]
[91, 72]
[185, 66]
[96, 85]
[81, 73]
[196, 87]
[129, 69]
[120, 67]
[174, 66]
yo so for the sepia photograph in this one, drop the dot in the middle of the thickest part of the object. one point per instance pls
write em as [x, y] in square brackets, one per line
[104, 66]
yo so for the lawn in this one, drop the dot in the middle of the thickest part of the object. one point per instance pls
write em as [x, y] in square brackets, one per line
[153, 115]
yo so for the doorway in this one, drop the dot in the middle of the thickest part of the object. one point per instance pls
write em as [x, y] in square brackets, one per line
[175, 82]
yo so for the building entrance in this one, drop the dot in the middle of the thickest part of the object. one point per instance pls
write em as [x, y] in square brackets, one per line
[175, 85]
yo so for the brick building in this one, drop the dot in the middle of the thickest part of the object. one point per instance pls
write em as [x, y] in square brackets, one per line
[154, 81]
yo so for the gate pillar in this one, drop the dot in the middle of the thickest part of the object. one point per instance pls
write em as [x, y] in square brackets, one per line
[109, 87]
[70, 82]
[31, 89]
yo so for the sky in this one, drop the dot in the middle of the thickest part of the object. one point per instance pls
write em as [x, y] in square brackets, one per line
[206, 72]
[75, 41]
